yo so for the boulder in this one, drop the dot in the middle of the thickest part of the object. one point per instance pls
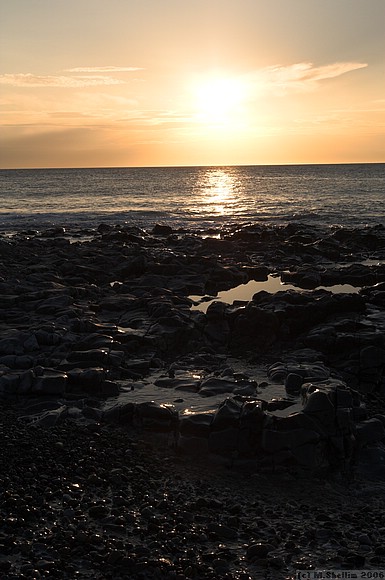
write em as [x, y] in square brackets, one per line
[224, 442]
[227, 415]
[162, 230]
[97, 356]
[50, 383]
[15, 383]
[274, 440]
[120, 413]
[180, 384]
[372, 356]
[196, 425]
[370, 431]
[216, 386]
[293, 383]
[253, 328]
[155, 417]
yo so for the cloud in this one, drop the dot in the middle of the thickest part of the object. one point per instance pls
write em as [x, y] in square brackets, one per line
[333, 70]
[68, 115]
[30, 80]
[103, 69]
[301, 76]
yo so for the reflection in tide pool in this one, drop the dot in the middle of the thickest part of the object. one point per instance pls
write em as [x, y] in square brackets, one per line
[245, 292]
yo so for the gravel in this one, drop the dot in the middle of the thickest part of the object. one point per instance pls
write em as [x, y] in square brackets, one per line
[101, 502]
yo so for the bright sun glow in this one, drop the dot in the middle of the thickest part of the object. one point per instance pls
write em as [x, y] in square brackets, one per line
[219, 101]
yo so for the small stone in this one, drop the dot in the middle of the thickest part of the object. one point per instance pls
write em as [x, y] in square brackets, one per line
[276, 561]
[293, 383]
[223, 532]
[258, 550]
[364, 539]
[148, 512]
[98, 511]
[113, 557]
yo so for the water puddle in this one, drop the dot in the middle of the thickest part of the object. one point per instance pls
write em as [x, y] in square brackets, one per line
[187, 402]
[273, 284]
[367, 262]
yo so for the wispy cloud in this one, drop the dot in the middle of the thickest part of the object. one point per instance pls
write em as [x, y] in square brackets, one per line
[62, 81]
[103, 69]
[68, 115]
[301, 76]
[330, 71]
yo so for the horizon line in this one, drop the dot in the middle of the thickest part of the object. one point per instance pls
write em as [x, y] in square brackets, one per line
[183, 166]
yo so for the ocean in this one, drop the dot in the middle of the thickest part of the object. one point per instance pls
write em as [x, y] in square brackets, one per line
[197, 198]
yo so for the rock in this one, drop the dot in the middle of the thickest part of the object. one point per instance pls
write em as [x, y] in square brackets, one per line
[224, 442]
[273, 441]
[217, 332]
[50, 383]
[108, 389]
[120, 413]
[227, 415]
[196, 424]
[14, 383]
[156, 417]
[279, 404]
[370, 431]
[86, 380]
[293, 383]
[310, 456]
[276, 561]
[223, 277]
[192, 445]
[371, 368]
[139, 366]
[372, 356]
[258, 551]
[54, 305]
[216, 386]
[364, 539]
[217, 329]
[11, 346]
[17, 362]
[161, 230]
[253, 327]
[181, 384]
[311, 371]
[96, 356]
[47, 418]
[53, 232]
[222, 531]
[98, 511]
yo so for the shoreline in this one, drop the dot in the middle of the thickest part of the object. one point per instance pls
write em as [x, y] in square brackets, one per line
[82, 321]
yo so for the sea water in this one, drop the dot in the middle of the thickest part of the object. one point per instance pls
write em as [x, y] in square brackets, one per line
[197, 198]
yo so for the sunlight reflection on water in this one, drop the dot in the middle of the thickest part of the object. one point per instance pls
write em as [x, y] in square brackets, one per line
[217, 192]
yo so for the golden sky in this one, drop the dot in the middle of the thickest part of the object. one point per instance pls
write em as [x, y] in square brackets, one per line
[86, 83]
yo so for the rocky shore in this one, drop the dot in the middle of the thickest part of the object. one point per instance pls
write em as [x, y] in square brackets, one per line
[269, 455]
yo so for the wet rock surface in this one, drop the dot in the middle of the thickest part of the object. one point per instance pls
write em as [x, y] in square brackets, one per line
[100, 483]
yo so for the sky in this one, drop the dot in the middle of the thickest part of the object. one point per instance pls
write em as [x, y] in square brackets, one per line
[89, 83]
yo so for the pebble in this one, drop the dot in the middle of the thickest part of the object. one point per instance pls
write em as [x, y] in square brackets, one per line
[258, 550]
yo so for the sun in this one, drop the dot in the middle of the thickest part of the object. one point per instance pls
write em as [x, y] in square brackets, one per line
[219, 100]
